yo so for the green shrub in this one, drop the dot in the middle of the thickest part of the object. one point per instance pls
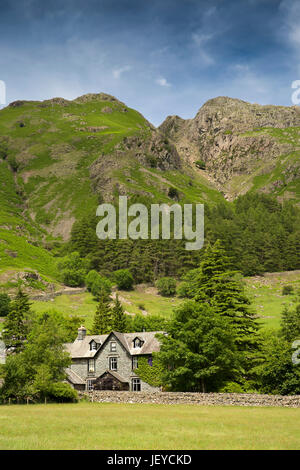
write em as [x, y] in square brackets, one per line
[287, 290]
[73, 270]
[232, 387]
[62, 391]
[183, 290]
[166, 286]
[173, 193]
[123, 279]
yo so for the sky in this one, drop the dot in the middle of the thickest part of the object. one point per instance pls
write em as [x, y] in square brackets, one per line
[165, 57]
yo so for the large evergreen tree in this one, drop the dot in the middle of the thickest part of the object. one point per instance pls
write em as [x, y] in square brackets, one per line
[119, 322]
[103, 321]
[216, 284]
[16, 323]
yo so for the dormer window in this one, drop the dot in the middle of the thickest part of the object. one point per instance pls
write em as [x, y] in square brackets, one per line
[137, 343]
[94, 346]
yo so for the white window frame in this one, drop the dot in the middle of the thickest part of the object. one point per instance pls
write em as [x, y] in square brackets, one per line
[135, 362]
[89, 385]
[113, 346]
[91, 365]
[136, 383]
[113, 360]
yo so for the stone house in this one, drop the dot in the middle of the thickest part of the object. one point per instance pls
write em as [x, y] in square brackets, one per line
[108, 362]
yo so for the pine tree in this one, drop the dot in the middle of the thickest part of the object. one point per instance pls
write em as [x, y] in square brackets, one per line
[118, 316]
[16, 323]
[218, 286]
[103, 322]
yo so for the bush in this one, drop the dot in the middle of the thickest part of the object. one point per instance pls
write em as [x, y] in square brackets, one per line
[166, 286]
[123, 279]
[4, 305]
[173, 193]
[183, 290]
[62, 391]
[232, 387]
[101, 286]
[287, 290]
[73, 270]
[91, 277]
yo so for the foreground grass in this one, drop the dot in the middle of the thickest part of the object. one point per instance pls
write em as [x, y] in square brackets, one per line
[146, 426]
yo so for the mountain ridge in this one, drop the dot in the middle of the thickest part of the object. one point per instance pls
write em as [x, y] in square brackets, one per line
[241, 144]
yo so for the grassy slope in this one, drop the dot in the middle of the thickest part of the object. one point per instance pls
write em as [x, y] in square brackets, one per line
[186, 427]
[264, 292]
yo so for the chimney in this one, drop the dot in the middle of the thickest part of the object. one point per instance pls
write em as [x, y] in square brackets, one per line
[81, 333]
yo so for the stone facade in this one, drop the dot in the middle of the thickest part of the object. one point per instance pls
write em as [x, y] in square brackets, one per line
[116, 355]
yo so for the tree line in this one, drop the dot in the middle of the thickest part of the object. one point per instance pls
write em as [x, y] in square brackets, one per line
[259, 234]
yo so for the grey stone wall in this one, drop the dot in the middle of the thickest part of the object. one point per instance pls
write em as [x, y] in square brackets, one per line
[233, 399]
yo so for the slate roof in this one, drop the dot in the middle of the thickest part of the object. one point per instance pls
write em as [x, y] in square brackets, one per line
[74, 378]
[81, 348]
[114, 374]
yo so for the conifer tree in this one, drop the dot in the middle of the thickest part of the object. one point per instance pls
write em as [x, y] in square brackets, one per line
[16, 323]
[118, 316]
[103, 322]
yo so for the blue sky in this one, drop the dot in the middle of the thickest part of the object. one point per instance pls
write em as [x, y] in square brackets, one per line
[160, 57]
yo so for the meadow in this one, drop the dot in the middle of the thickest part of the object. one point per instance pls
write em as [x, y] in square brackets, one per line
[265, 293]
[108, 426]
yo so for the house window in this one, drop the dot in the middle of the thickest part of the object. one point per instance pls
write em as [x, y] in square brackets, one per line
[137, 343]
[90, 385]
[135, 362]
[93, 345]
[113, 346]
[91, 365]
[150, 361]
[113, 363]
[136, 385]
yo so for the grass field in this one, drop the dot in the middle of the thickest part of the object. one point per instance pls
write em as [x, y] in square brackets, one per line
[265, 293]
[110, 426]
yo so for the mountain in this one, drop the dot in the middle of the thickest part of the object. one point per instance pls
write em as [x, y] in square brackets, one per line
[60, 158]
[242, 147]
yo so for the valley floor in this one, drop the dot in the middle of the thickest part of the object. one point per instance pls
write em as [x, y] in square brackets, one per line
[100, 426]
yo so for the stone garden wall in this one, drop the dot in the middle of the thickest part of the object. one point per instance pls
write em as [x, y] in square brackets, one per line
[169, 398]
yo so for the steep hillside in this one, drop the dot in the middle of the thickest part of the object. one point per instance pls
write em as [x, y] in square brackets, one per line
[67, 156]
[59, 159]
[241, 146]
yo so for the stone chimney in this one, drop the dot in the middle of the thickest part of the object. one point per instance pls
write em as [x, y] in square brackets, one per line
[81, 333]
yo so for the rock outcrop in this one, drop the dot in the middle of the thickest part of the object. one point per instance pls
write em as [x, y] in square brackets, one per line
[238, 141]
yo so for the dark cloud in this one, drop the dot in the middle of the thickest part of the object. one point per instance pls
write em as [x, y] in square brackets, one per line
[162, 57]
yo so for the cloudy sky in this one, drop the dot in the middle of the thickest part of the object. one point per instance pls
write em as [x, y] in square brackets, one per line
[161, 57]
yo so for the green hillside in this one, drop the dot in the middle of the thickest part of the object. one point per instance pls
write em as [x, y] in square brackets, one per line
[59, 159]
